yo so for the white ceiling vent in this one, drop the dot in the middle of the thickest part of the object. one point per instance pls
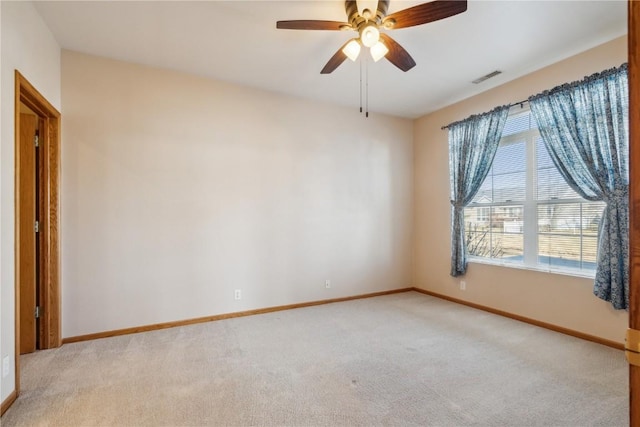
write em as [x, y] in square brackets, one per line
[488, 76]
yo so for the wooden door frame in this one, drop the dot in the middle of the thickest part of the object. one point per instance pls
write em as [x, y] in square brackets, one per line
[49, 178]
[634, 199]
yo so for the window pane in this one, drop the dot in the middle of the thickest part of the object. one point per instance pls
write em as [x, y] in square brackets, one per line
[509, 172]
[559, 251]
[550, 184]
[477, 231]
[506, 179]
[495, 232]
[518, 122]
[510, 158]
[507, 228]
[476, 218]
[589, 251]
[509, 247]
[509, 187]
[559, 218]
[543, 158]
[591, 215]
[568, 234]
[479, 243]
[485, 193]
[507, 219]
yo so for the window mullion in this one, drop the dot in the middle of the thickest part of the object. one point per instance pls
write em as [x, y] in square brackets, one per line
[530, 226]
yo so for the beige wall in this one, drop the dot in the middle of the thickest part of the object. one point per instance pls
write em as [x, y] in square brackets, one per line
[29, 47]
[176, 190]
[558, 299]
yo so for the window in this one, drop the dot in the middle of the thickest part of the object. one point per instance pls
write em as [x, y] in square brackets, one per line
[525, 214]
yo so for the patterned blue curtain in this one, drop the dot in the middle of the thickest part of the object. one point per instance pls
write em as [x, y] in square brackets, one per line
[473, 143]
[585, 126]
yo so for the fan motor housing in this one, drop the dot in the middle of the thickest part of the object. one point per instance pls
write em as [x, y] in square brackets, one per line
[356, 20]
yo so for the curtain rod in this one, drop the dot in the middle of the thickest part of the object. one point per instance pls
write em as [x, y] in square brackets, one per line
[520, 103]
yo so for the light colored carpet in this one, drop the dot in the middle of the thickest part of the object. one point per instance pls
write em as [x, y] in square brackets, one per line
[403, 359]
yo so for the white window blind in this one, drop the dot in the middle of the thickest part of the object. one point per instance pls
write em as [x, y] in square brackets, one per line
[525, 213]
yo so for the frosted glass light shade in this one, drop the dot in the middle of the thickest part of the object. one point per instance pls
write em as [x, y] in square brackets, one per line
[369, 35]
[378, 51]
[352, 50]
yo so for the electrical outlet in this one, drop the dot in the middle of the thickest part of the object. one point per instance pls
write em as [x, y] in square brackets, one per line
[463, 285]
[327, 284]
[237, 294]
[5, 366]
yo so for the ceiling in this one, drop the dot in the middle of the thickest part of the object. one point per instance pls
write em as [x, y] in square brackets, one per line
[237, 41]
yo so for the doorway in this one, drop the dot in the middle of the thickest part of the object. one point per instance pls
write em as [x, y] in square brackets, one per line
[28, 181]
[37, 159]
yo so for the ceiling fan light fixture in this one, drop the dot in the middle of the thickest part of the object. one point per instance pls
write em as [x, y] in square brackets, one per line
[352, 49]
[368, 18]
[378, 51]
[369, 35]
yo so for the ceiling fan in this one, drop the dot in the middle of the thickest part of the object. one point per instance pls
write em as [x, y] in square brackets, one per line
[368, 24]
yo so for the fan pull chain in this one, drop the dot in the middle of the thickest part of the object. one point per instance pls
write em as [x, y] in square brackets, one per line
[366, 70]
[361, 84]
[365, 85]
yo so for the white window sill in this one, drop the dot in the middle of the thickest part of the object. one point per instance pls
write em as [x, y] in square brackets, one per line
[562, 271]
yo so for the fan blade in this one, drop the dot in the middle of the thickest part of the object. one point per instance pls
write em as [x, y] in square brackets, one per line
[397, 55]
[424, 13]
[311, 25]
[335, 61]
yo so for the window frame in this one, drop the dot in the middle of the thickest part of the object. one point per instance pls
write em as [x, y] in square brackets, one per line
[530, 232]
